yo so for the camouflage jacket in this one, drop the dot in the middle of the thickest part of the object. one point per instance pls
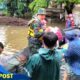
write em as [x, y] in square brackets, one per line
[36, 27]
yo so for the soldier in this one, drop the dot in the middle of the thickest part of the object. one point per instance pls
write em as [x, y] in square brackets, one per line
[36, 28]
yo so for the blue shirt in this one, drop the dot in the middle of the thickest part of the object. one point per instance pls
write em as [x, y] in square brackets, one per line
[73, 56]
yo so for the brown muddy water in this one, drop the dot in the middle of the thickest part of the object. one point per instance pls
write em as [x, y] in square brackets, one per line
[14, 38]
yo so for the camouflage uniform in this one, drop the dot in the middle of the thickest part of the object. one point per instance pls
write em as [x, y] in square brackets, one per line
[35, 32]
[36, 29]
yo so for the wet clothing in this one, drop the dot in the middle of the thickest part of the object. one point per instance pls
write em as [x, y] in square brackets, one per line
[36, 27]
[34, 33]
[43, 66]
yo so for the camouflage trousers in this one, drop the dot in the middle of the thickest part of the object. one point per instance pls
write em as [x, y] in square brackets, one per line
[34, 44]
[70, 75]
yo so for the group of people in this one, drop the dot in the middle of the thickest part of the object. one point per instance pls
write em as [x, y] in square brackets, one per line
[57, 56]
[52, 54]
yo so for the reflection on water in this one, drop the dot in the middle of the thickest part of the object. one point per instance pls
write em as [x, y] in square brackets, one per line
[14, 38]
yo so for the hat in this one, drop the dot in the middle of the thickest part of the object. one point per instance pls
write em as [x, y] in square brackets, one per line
[70, 35]
[41, 11]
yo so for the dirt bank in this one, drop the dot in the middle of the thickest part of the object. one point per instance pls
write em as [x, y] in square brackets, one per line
[13, 21]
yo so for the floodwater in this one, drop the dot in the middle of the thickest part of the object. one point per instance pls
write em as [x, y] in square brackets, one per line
[14, 38]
